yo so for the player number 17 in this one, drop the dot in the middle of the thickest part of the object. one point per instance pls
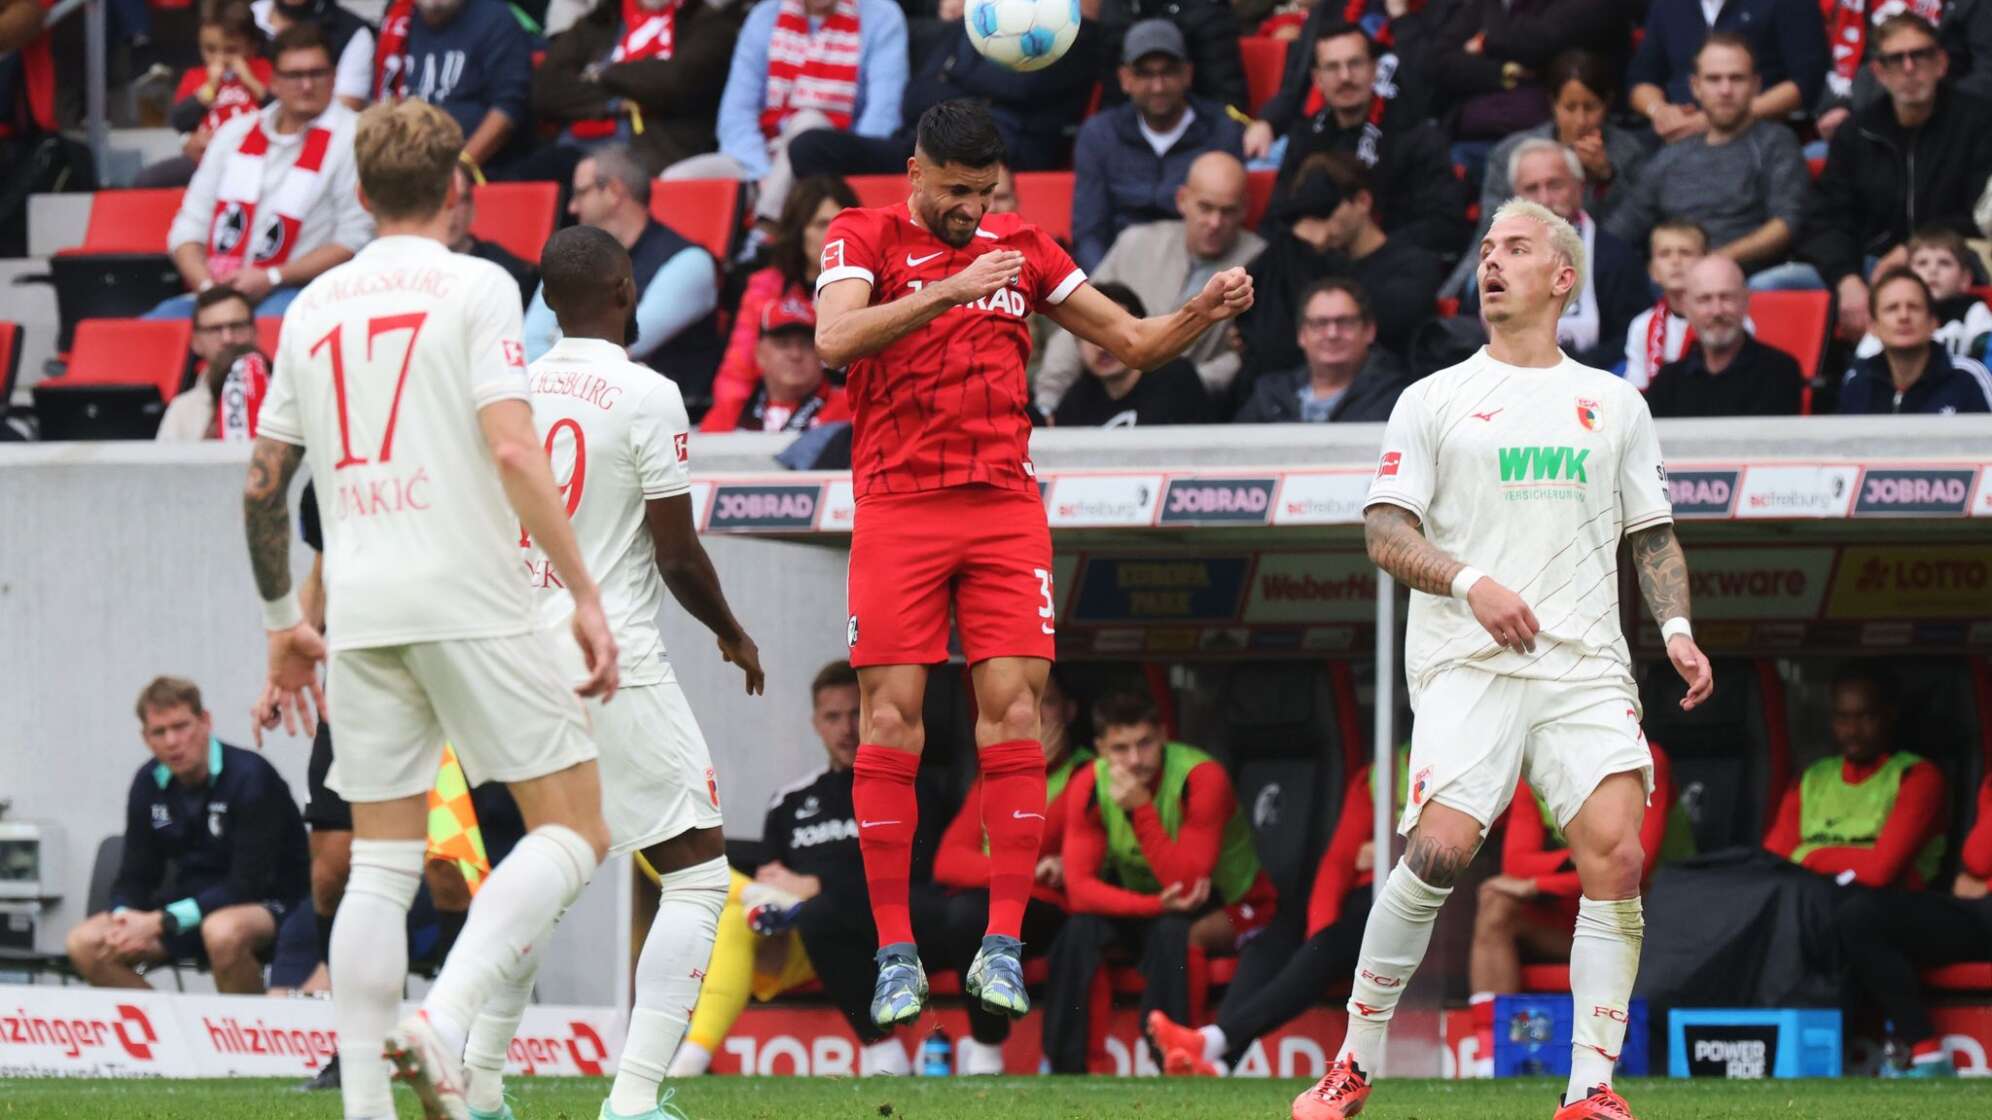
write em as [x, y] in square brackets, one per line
[378, 325]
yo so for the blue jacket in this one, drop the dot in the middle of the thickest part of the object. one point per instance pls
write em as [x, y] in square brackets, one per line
[1119, 181]
[881, 80]
[479, 61]
[1949, 384]
[1787, 36]
[237, 839]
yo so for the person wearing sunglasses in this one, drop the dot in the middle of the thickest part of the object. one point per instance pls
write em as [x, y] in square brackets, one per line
[1917, 158]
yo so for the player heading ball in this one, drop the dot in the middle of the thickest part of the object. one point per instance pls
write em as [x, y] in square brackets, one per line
[929, 302]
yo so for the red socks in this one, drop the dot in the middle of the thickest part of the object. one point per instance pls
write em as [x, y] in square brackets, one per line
[1013, 796]
[882, 794]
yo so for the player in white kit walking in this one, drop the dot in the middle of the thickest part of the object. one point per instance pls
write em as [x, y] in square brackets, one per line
[402, 377]
[1532, 466]
[617, 434]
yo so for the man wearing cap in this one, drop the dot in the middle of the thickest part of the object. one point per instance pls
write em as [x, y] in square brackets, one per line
[1131, 158]
[792, 395]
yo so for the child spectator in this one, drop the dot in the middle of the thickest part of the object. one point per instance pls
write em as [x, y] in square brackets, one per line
[233, 78]
[793, 262]
[1942, 259]
[1672, 247]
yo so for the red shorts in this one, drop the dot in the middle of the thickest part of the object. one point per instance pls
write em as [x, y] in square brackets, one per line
[985, 551]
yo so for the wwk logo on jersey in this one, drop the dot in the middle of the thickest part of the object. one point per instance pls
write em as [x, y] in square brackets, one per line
[1544, 473]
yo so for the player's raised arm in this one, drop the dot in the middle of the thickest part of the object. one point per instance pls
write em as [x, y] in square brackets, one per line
[1147, 343]
[692, 580]
[848, 329]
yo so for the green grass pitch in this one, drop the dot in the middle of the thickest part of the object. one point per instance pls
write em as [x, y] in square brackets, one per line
[1031, 1098]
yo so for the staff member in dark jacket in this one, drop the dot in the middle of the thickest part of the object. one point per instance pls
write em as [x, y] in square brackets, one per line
[1788, 38]
[1419, 197]
[1918, 158]
[652, 81]
[1032, 109]
[1913, 372]
[1206, 25]
[1347, 377]
[218, 822]
[1130, 159]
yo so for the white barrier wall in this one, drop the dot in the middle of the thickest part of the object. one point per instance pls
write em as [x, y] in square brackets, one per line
[121, 562]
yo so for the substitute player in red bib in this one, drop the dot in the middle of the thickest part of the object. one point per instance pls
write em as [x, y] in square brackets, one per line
[929, 303]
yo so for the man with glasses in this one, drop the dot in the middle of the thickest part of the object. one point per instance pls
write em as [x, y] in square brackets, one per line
[1132, 158]
[1918, 158]
[1407, 157]
[1345, 377]
[224, 336]
[275, 201]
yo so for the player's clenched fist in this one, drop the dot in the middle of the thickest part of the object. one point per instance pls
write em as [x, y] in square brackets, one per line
[987, 273]
[1504, 615]
[1226, 295]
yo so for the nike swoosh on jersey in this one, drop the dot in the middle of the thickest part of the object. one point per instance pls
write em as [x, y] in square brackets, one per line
[915, 262]
[1020, 815]
[874, 824]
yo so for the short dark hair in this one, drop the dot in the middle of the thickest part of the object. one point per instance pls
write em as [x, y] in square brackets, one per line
[168, 692]
[1586, 68]
[580, 264]
[1678, 224]
[960, 132]
[798, 210]
[220, 293]
[1890, 277]
[1342, 169]
[302, 36]
[1898, 23]
[232, 17]
[1335, 29]
[1873, 673]
[1342, 284]
[1125, 708]
[1941, 237]
[836, 674]
[1123, 295]
[1730, 39]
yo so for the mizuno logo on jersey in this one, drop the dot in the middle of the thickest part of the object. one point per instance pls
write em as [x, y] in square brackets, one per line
[1544, 464]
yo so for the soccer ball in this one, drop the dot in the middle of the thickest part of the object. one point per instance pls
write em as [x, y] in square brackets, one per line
[1022, 34]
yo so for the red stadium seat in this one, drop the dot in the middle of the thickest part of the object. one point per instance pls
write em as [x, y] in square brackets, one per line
[1545, 977]
[1972, 976]
[518, 216]
[1265, 64]
[706, 211]
[878, 190]
[268, 329]
[128, 222]
[10, 362]
[1795, 322]
[131, 352]
[1045, 199]
[1258, 196]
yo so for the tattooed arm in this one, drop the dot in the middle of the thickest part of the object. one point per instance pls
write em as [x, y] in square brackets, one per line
[1663, 580]
[266, 513]
[1398, 545]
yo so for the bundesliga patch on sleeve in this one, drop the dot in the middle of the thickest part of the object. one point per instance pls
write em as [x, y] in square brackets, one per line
[833, 255]
[682, 444]
[1386, 467]
[515, 353]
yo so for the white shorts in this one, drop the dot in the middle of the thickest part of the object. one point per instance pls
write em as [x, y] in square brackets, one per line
[657, 776]
[500, 701]
[1476, 733]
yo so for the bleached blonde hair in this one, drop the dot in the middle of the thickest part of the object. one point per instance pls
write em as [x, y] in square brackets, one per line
[1564, 240]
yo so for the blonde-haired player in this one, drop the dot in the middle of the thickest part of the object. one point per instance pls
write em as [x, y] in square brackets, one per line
[402, 376]
[1526, 463]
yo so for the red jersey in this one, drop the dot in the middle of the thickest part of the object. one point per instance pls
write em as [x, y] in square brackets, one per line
[231, 97]
[947, 405]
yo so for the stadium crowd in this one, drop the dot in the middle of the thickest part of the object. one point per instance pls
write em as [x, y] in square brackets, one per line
[1149, 860]
[1842, 148]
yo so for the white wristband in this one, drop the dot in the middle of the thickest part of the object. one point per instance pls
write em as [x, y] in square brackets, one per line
[1676, 627]
[282, 614]
[1464, 581]
[275, 276]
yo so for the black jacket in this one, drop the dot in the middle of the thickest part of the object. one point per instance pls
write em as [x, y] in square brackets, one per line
[1032, 109]
[1418, 198]
[1760, 381]
[1276, 397]
[1400, 278]
[1966, 32]
[1400, 68]
[1529, 33]
[1208, 29]
[237, 839]
[1883, 182]
[1948, 385]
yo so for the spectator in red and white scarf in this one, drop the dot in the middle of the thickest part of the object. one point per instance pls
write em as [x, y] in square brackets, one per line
[646, 73]
[798, 65]
[224, 335]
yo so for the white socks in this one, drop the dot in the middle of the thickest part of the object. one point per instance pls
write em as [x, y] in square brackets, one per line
[370, 961]
[513, 912]
[668, 974]
[1394, 941]
[691, 1060]
[980, 1058]
[491, 1036]
[1214, 1045]
[1604, 961]
[884, 1057]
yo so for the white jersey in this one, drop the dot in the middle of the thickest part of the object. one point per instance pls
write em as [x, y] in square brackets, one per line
[617, 434]
[1532, 476]
[384, 365]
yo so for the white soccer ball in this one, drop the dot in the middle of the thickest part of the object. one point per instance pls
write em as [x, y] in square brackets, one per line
[1022, 34]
